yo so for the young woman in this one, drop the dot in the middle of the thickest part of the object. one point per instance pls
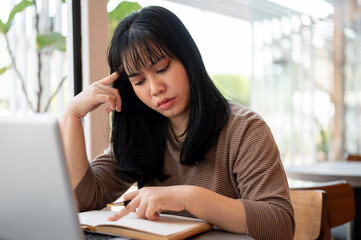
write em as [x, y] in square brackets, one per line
[189, 150]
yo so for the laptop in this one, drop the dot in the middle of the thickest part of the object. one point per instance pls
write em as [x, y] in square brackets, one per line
[36, 200]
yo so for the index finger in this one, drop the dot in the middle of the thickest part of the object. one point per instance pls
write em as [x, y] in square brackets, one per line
[131, 207]
[110, 79]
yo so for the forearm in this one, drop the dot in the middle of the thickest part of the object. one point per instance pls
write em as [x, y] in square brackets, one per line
[74, 145]
[230, 214]
[223, 212]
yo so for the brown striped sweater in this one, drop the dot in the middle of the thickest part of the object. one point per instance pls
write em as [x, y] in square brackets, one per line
[245, 164]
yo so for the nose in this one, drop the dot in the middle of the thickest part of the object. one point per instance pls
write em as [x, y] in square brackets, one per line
[157, 86]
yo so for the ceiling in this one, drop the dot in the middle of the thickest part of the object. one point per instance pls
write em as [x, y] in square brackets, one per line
[249, 10]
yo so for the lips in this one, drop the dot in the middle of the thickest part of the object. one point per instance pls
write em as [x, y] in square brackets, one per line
[165, 103]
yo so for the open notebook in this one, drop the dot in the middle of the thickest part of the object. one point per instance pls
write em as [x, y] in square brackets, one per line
[166, 228]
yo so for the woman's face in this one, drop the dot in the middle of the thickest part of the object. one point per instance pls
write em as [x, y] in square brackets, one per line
[164, 87]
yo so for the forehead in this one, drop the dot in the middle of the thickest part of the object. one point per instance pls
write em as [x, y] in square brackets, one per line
[142, 55]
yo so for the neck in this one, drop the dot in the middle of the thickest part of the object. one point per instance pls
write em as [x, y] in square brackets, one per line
[179, 126]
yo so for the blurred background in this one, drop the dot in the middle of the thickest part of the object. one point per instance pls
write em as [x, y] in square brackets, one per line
[297, 63]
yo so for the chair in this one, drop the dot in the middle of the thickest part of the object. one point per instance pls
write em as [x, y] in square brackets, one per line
[310, 213]
[352, 157]
[340, 204]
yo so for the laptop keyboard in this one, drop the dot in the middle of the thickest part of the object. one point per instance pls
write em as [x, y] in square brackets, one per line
[100, 236]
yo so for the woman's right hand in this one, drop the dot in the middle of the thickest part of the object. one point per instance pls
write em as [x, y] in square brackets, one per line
[95, 95]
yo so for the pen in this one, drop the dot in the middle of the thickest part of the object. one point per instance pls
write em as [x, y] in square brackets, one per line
[123, 203]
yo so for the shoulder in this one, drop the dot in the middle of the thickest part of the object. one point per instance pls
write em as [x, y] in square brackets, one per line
[105, 159]
[244, 126]
[241, 117]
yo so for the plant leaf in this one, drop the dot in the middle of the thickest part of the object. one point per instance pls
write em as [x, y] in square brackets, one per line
[3, 69]
[18, 8]
[121, 11]
[124, 9]
[2, 27]
[51, 39]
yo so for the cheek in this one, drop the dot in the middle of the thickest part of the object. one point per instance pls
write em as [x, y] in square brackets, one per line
[185, 85]
[187, 92]
[143, 97]
[139, 94]
[185, 80]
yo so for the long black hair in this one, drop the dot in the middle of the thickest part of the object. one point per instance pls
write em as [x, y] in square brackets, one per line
[139, 133]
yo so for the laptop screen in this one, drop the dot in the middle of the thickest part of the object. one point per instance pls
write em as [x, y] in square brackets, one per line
[36, 198]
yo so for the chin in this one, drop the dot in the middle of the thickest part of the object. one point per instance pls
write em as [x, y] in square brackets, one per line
[169, 115]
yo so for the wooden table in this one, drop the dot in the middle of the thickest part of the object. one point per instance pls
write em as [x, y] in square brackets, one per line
[327, 171]
[214, 234]
[333, 171]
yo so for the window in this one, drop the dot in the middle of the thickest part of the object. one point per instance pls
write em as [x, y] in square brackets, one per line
[33, 64]
[280, 58]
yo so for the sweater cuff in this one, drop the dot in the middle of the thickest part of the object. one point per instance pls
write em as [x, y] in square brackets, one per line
[266, 222]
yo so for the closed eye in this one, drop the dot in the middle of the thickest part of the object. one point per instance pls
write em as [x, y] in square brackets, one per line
[164, 69]
[139, 83]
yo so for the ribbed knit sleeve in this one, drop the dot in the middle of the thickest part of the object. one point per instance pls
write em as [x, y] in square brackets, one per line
[262, 182]
[101, 184]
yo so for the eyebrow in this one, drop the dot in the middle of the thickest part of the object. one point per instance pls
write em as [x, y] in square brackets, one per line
[134, 74]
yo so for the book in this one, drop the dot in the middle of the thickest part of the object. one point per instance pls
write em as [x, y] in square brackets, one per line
[168, 227]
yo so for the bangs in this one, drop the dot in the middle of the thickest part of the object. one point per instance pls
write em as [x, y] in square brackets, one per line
[141, 51]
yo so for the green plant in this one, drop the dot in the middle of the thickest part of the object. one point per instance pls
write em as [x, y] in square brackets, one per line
[122, 10]
[46, 43]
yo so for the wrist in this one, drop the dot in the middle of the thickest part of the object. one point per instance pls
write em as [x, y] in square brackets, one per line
[69, 117]
[192, 195]
[71, 113]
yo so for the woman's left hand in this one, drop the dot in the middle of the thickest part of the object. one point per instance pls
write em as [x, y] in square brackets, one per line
[147, 201]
